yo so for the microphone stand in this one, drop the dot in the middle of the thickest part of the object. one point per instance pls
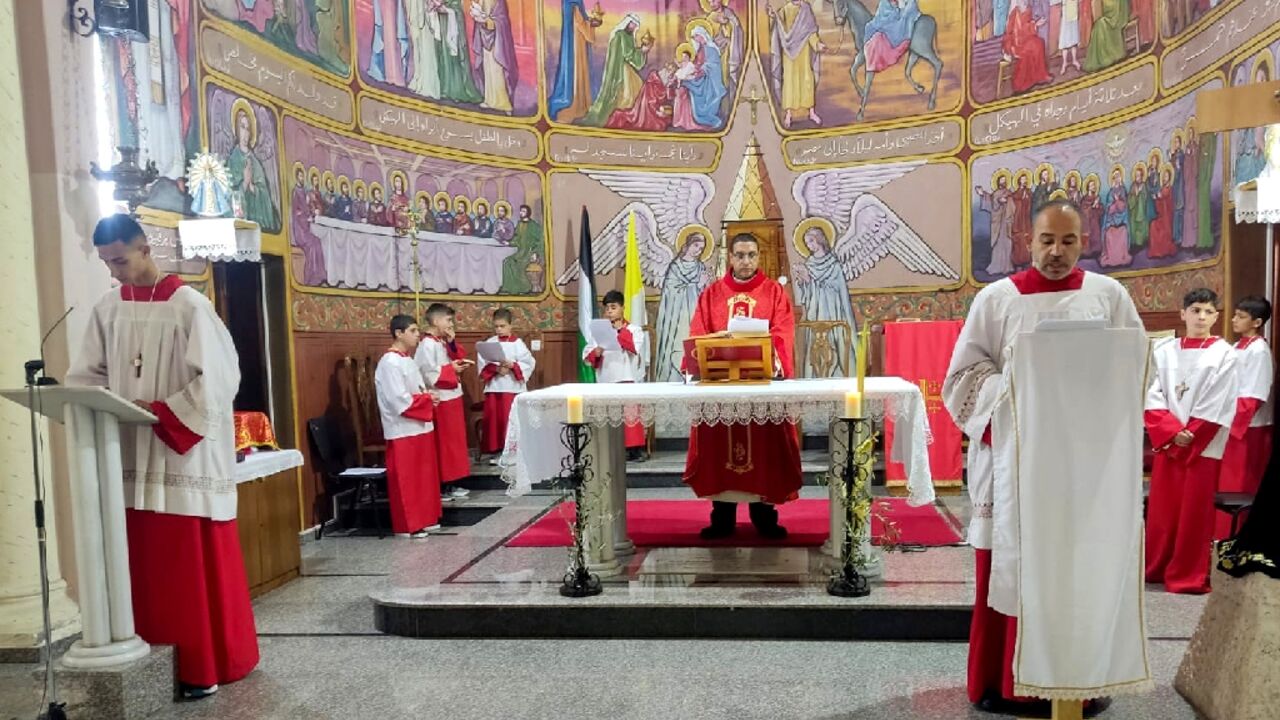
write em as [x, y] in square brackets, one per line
[55, 709]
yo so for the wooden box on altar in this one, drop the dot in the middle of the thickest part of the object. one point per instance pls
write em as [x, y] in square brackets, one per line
[729, 359]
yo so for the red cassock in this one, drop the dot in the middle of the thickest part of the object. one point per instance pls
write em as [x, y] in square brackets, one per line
[1180, 505]
[188, 582]
[451, 422]
[1243, 460]
[762, 458]
[1023, 44]
[413, 485]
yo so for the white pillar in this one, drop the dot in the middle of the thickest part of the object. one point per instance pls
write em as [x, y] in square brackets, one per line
[21, 621]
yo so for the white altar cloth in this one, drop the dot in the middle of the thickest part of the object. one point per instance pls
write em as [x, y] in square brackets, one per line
[373, 257]
[265, 462]
[533, 451]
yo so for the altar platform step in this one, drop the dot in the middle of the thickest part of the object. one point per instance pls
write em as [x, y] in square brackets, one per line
[729, 612]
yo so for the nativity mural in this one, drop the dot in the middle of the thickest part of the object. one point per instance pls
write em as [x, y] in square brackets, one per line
[647, 66]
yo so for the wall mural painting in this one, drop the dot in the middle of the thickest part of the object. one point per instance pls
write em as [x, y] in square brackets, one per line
[356, 208]
[243, 133]
[317, 31]
[671, 232]
[644, 65]
[1024, 45]
[1150, 188]
[1247, 145]
[476, 55]
[835, 62]
[157, 108]
[1179, 15]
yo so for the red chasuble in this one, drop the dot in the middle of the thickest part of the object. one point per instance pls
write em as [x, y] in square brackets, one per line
[762, 458]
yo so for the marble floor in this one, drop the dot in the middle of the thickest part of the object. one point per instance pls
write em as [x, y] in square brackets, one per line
[322, 657]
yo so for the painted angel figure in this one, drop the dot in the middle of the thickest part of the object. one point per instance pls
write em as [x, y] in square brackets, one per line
[674, 245]
[865, 231]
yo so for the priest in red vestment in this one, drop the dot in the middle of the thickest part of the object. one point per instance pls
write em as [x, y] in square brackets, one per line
[1022, 43]
[757, 463]
[160, 343]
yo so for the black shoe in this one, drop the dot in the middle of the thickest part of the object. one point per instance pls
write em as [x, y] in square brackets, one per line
[765, 517]
[717, 532]
[636, 455]
[724, 521]
[193, 692]
[997, 705]
[1096, 706]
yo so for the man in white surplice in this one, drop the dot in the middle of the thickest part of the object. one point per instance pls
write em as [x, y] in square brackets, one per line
[975, 384]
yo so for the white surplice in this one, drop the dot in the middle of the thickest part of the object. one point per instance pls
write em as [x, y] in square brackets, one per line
[517, 352]
[1075, 401]
[1255, 370]
[975, 383]
[397, 380]
[432, 357]
[1196, 383]
[620, 366]
[188, 362]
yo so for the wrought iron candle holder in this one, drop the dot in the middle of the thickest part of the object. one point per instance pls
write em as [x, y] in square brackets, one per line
[851, 459]
[575, 471]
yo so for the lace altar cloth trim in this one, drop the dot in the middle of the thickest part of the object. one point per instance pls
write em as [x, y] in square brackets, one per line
[674, 406]
[533, 451]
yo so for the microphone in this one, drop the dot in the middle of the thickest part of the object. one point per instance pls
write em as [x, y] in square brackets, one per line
[36, 367]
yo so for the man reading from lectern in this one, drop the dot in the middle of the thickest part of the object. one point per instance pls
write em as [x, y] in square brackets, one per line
[757, 463]
[1053, 288]
[159, 343]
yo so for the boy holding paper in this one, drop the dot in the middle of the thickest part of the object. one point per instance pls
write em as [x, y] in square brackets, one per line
[505, 367]
[442, 367]
[623, 360]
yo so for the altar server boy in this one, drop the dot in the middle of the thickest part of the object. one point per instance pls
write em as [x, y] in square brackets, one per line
[407, 410]
[503, 380]
[627, 365]
[1189, 409]
[1249, 447]
[442, 371]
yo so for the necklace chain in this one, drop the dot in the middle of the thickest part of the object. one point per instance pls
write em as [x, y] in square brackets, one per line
[151, 294]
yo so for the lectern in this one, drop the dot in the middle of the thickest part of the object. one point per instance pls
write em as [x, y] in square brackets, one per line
[93, 416]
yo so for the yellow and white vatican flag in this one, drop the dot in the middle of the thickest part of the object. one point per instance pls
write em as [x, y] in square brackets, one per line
[634, 310]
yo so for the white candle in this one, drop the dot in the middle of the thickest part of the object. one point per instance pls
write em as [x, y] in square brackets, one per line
[853, 404]
[575, 408]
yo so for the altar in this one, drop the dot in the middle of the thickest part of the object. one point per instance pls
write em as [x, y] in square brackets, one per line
[534, 453]
[376, 257]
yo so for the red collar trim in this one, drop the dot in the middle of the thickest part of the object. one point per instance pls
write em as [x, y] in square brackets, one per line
[433, 337]
[1030, 282]
[163, 290]
[401, 353]
[1198, 343]
[507, 338]
[744, 286]
[1245, 342]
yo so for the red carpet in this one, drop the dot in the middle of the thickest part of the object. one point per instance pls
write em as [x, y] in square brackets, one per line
[675, 523]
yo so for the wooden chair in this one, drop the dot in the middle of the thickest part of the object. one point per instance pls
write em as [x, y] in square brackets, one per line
[361, 403]
[821, 357]
[1004, 78]
[1131, 36]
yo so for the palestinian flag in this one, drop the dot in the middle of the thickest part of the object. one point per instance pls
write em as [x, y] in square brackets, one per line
[586, 296]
